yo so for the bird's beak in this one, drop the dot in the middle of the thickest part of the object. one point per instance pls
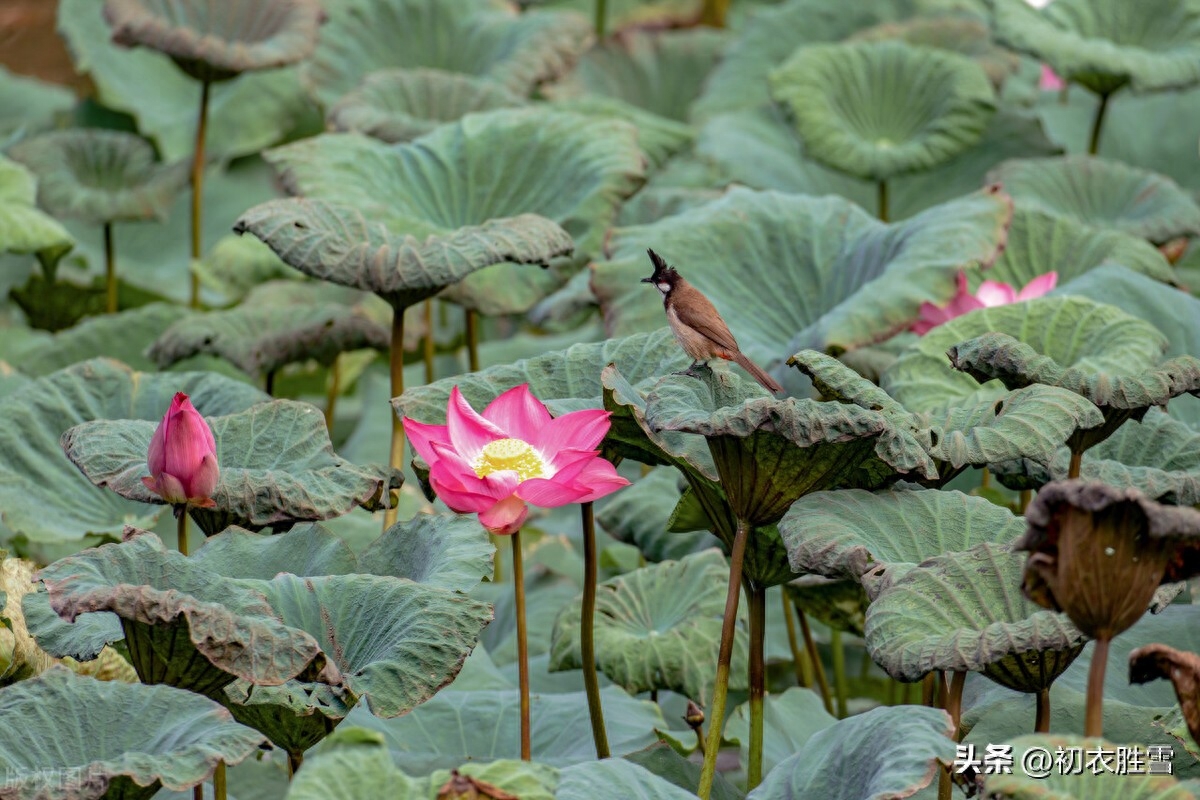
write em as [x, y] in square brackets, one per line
[647, 280]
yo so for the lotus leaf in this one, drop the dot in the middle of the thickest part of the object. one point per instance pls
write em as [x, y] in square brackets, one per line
[24, 229]
[133, 741]
[964, 34]
[476, 37]
[640, 515]
[1107, 44]
[789, 720]
[850, 117]
[656, 628]
[659, 138]
[652, 204]
[246, 115]
[237, 264]
[1085, 785]
[398, 105]
[29, 104]
[277, 467]
[216, 42]
[305, 550]
[442, 550]
[623, 778]
[885, 752]
[184, 625]
[43, 496]
[1106, 194]
[279, 323]
[827, 261]
[1155, 661]
[295, 716]
[876, 538]
[664, 761]
[83, 640]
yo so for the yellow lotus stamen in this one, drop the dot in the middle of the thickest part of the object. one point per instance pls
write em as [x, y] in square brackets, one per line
[510, 454]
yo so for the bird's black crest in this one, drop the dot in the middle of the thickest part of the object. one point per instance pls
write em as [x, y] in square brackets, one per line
[662, 270]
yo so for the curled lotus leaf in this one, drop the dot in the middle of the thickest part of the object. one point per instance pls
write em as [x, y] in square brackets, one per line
[23, 228]
[1107, 44]
[133, 741]
[100, 176]
[964, 611]
[295, 715]
[44, 497]
[218, 41]
[475, 37]
[657, 628]
[279, 323]
[399, 105]
[1154, 661]
[183, 624]
[1103, 193]
[849, 117]
[965, 34]
[885, 752]
[876, 538]
[277, 467]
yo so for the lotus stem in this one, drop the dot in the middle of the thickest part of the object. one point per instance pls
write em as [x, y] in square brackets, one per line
[601, 17]
[334, 389]
[1026, 497]
[954, 708]
[429, 371]
[269, 383]
[928, 689]
[181, 520]
[1042, 723]
[883, 201]
[714, 12]
[1093, 719]
[293, 763]
[815, 658]
[985, 479]
[472, 320]
[198, 792]
[110, 271]
[219, 782]
[1076, 464]
[587, 631]
[1097, 124]
[757, 597]
[522, 646]
[396, 357]
[716, 721]
[839, 671]
[799, 662]
[198, 190]
[654, 696]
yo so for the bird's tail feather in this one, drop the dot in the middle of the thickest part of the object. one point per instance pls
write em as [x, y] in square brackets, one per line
[768, 383]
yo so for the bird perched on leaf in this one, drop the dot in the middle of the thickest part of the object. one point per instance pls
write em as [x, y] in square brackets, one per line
[697, 325]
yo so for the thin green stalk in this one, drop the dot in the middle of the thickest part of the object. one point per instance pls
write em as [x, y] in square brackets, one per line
[757, 597]
[472, 340]
[1093, 719]
[716, 721]
[587, 627]
[954, 708]
[198, 190]
[429, 349]
[181, 526]
[839, 671]
[928, 689]
[883, 201]
[219, 782]
[1097, 124]
[110, 271]
[1026, 497]
[334, 389]
[601, 17]
[396, 356]
[815, 657]
[522, 646]
[799, 665]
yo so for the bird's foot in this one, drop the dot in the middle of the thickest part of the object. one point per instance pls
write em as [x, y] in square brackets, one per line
[697, 369]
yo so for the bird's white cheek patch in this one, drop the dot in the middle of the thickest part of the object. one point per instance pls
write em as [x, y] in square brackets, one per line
[664, 287]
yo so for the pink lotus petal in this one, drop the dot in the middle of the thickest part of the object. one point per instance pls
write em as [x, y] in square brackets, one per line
[152, 485]
[1039, 286]
[506, 517]
[549, 493]
[469, 432]
[579, 430]
[1049, 81]
[995, 293]
[171, 489]
[518, 413]
[455, 472]
[421, 436]
[600, 478]
[204, 480]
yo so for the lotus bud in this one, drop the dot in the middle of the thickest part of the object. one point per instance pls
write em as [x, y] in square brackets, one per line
[693, 715]
[183, 457]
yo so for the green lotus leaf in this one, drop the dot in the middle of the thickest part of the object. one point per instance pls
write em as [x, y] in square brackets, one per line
[828, 262]
[245, 115]
[659, 138]
[184, 625]
[100, 176]
[83, 640]
[237, 264]
[1064, 785]
[277, 467]
[43, 495]
[620, 777]
[23, 228]
[29, 105]
[218, 43]
[665, 762]
[475, 37]
[133, 741]
[1103, 193]
[965, 34]
[305, 550]
[849, 116]
[789, 720]
[279, 323]
[964, 611]
[295, 716]
[886, 752]
[875, 538]
[448, 551]
[662, 72]
[839, 604]
[657, 627]
[398, 105]
[652, 204]
[640, 515]
[1108, 44]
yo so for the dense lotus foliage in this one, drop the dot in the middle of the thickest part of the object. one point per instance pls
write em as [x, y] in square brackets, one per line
[345, 452]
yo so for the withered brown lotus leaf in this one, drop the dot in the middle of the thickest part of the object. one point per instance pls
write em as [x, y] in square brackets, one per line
[464, 787]
[1099, 553]
[1181, 668]
[215, 40]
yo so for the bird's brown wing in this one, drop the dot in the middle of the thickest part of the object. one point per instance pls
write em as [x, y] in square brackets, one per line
[697, 312]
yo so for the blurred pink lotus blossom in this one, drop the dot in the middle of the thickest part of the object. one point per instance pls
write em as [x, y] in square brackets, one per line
[1050, 82]
[990, 293]
[514, 453]
[183, 457]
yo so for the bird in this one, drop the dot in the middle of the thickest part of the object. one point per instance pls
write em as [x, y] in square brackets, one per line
[697, 325]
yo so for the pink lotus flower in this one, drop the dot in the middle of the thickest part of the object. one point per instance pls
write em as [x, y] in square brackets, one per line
[1050, 81]
[183, 457]
[990, 293]
[493, 464]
